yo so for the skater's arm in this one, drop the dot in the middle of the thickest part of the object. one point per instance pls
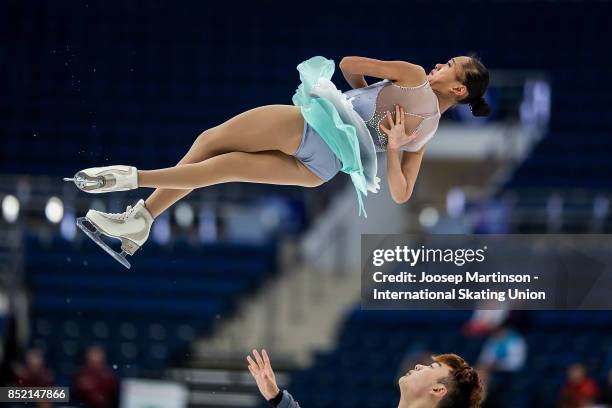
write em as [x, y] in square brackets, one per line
[354, 80]
[402, 72]
[401, 173]
[261, 369]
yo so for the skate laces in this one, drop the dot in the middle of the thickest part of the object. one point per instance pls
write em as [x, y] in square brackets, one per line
[122, 216]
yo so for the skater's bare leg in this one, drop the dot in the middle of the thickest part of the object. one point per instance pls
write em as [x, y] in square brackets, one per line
[162, 198]
[269, 167]
[271, 127]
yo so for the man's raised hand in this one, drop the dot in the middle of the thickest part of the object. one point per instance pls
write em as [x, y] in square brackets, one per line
[261, 369]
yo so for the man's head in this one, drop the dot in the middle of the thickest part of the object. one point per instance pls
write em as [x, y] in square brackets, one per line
[576, 372]
[95, 356]
[34, 359]
[447, 382]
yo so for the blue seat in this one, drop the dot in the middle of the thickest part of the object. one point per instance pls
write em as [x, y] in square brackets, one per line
[145, 316]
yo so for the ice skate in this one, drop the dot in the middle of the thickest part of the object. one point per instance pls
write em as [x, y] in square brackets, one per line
[130, 227]
[106, 179]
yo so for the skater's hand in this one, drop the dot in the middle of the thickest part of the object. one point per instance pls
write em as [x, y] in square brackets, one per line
[263, 374]
[396, 132]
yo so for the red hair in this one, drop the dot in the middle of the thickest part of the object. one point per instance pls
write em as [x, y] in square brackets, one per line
[464, 388]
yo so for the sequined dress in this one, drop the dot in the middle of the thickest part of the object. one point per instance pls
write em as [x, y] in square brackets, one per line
[421, 108]
[348, 122]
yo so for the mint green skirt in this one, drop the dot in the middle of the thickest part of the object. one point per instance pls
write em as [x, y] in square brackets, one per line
[331, 114]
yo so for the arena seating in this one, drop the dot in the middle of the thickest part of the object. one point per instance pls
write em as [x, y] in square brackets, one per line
[572, 162]
[143, 316]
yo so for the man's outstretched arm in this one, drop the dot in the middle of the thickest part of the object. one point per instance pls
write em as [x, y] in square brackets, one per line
[261, 370]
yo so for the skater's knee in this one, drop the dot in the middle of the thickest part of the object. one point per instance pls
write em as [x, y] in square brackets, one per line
[204, 137]
[205, 145]
[210, 142]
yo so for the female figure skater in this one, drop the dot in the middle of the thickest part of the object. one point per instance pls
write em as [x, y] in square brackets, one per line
[307, 144]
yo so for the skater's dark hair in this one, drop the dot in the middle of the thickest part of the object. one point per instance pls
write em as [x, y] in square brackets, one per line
[463, 386]
[476, 79]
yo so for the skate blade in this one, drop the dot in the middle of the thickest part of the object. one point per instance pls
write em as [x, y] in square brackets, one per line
[86, 183]
[95, 236]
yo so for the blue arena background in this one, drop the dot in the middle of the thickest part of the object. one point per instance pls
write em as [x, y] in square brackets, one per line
[86, 83]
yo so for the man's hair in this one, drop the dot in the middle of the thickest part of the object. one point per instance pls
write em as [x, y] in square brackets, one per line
[464, 389]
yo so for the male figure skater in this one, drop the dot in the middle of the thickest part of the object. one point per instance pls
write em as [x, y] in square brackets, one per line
[448, 382]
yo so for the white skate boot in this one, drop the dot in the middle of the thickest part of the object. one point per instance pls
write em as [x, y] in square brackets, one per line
[130, 227]
[106, 179]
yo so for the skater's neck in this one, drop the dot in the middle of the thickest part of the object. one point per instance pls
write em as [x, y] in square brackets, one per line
[416, 403]
[445, 102]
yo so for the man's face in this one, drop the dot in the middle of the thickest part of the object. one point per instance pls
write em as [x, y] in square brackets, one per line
[576, 373]
[34, 359]
[95, 357]
[423, 380]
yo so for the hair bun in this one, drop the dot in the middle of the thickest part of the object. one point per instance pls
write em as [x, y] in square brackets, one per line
[480, 107]
[477, 101]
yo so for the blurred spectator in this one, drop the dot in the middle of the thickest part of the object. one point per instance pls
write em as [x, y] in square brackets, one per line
[503, 354]
[504, 351]
[96, 384]
[33, 372]
[483, 322]
[579, 391]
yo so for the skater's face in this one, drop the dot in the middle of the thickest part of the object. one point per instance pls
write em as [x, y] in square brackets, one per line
[446, 77]
[424, 382]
